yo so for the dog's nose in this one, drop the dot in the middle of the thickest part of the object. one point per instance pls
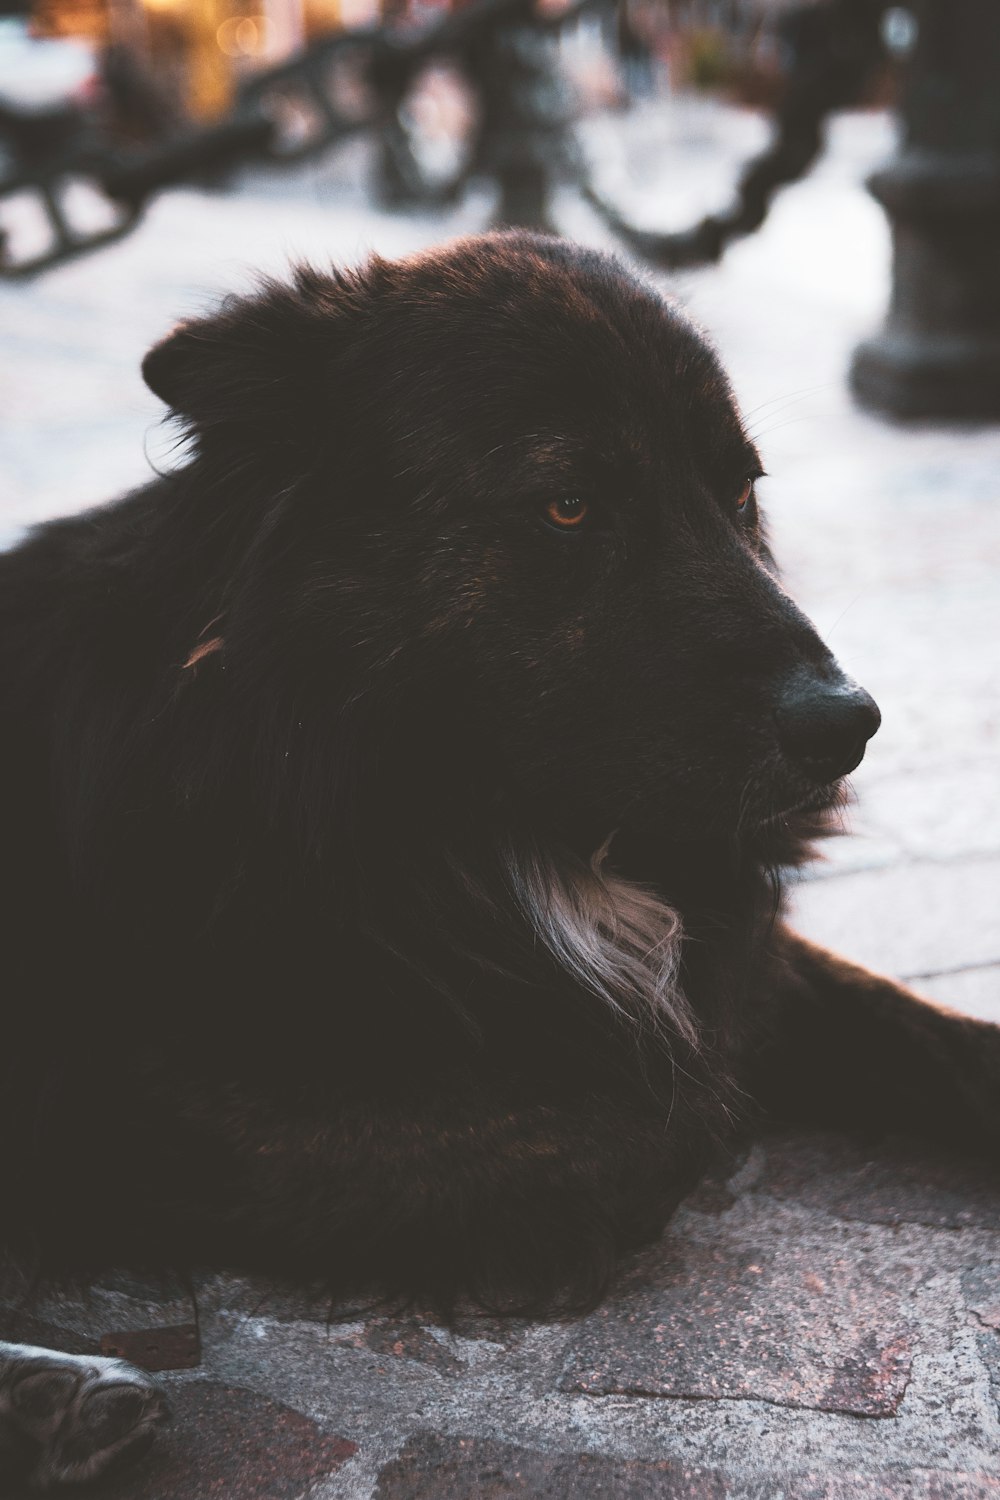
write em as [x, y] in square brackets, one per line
[824, 725]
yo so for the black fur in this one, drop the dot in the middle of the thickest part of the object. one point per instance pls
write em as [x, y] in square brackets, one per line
[310, 746]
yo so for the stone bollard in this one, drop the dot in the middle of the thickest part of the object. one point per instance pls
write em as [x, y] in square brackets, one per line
[938, 354]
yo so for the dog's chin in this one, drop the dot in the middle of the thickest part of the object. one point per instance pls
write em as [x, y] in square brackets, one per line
[799, 808]
[821, 804]
[775, 798]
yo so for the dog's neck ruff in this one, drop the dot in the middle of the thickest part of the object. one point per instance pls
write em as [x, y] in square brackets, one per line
[617, 939]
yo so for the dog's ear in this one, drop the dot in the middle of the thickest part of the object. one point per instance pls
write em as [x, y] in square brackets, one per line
[264, 363]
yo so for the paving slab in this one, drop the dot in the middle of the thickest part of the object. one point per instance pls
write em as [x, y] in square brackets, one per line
[788, 1324]
[225, 1442]
[908, 919]
[894, 1182]
[467, 1469]
[434, 1468]
[468, 1475]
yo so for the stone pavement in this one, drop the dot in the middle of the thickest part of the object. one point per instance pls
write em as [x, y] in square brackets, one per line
[825, 1323]
[821, 1322]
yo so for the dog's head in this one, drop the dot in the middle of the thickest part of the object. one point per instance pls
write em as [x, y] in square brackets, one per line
[512, 479]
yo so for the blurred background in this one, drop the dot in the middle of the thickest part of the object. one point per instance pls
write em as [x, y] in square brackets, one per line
[818, 181]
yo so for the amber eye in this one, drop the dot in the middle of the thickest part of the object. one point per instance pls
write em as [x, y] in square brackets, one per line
[745, 495]
[566, 513]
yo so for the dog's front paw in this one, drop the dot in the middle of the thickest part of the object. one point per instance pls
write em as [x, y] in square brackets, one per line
[65, 1418]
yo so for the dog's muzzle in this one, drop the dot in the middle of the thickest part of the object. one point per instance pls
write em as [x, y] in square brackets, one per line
[824, 724]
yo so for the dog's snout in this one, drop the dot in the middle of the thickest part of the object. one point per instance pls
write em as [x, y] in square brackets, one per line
[824, 725]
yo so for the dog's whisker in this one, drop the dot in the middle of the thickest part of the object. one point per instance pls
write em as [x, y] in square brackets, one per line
[831, 628]
[788, 398]
[779, 426]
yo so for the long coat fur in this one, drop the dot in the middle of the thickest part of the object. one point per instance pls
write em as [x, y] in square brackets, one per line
[394, 811]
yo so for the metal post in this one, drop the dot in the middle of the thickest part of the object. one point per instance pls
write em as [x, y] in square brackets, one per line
[938, 354]
[525, 143]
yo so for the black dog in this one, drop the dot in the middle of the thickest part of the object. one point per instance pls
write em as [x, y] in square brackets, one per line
[395, 801]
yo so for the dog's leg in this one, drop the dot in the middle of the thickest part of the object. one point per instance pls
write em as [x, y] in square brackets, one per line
[840, 1046]
[69, 1417]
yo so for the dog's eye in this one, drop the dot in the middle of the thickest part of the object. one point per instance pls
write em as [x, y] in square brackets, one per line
[566, 513]
[745, 496]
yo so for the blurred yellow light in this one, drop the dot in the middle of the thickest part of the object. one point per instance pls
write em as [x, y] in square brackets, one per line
[240, 36]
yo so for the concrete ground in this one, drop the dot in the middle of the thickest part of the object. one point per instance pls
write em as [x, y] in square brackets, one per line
[823, 1322]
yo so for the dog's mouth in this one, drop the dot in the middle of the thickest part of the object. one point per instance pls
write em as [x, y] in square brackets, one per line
[795, 800]
[770, 799]
[793, 778]
[825, 801]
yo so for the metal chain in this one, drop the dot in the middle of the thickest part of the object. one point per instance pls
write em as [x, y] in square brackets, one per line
[834, 47]
[303, 87]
